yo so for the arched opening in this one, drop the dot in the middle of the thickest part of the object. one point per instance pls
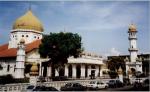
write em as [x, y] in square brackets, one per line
[61, 71]
[86, 71]
[70, 71]
[45, 71]
[53, 71]
[133, 71]
[92, 71]
[78, 72]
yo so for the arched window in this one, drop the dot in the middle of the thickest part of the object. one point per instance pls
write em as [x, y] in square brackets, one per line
[8, 68]
[14, 67]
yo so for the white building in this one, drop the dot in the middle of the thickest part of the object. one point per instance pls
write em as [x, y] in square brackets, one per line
[22, 50]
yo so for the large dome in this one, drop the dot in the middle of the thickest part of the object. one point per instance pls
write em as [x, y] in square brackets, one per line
[28, 21]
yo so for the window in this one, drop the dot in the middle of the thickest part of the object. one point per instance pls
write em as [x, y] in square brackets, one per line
[14, 67]
[8, 68]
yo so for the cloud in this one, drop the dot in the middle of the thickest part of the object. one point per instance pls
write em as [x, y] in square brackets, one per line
[114, 52]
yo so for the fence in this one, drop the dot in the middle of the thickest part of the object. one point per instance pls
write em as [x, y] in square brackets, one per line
[56, 84]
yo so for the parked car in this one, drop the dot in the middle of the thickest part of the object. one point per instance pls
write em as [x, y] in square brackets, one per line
[115, 83]
[73, 87]
[97, 85]
[44, 88]
[30, 88]
[139, 83]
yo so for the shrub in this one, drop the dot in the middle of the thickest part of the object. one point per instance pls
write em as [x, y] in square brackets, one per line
[7, 79]
[59, 78]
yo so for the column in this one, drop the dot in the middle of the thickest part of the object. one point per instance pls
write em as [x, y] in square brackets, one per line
[82, 71]
[66, 70]
[49, 71]
[89, 71]
[101, 72]
[56, 73]
[127, 68]
[73, 71]
[40, 69]
[96, 71]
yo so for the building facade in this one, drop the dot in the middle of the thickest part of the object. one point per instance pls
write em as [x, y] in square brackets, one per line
[21, 52]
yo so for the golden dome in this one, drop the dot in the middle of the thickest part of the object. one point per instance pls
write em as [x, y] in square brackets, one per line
[28, 21]
[132, 27]
[34, 69]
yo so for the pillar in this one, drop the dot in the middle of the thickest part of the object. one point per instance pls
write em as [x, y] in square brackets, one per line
[96, 71]
[56, 72]
[40, 69]
[89, 71]
[66, 70]
[82, 71]
[20, 60]
[120, 74]
[73, 71]
[49, 69]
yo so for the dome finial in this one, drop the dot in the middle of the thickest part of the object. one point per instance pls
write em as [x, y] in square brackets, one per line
[30, 7]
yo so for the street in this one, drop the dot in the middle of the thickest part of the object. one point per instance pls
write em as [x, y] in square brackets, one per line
[125, 88]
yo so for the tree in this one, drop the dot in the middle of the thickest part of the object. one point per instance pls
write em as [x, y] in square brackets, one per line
[59, 46]
[114, 63]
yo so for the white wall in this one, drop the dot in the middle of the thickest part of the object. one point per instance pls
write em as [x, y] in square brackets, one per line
[28, 35]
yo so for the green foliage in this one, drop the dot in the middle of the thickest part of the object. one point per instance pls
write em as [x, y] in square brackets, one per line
[7, 79]
[59, 46]
[113, 74]
[115, 62]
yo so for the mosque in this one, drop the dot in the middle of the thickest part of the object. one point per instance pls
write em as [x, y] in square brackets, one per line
[18, 55]
[21, 52]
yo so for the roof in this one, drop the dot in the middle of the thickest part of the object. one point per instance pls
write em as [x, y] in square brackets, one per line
[12, 52]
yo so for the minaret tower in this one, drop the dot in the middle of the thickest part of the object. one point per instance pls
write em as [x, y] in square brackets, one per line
[20, 61]
[132, 41]
[133, 62]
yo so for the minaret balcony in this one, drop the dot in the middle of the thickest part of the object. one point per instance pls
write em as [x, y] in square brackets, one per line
[130, 38]
[133, 49]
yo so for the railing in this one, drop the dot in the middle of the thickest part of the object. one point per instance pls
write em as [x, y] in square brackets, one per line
[56, 84]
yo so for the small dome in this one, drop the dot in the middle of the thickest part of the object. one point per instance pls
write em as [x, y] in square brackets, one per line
[120, 69]
[129, 71]
[28, 21]
[132, 27]
[34, 69]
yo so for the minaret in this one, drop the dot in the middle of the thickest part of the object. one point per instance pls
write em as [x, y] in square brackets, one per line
[134, 62]
[132, 41]
[19, 70]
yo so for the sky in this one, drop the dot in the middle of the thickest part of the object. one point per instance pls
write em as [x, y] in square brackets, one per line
[103, 25]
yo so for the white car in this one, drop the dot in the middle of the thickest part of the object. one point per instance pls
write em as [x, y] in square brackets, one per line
[97, 85]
